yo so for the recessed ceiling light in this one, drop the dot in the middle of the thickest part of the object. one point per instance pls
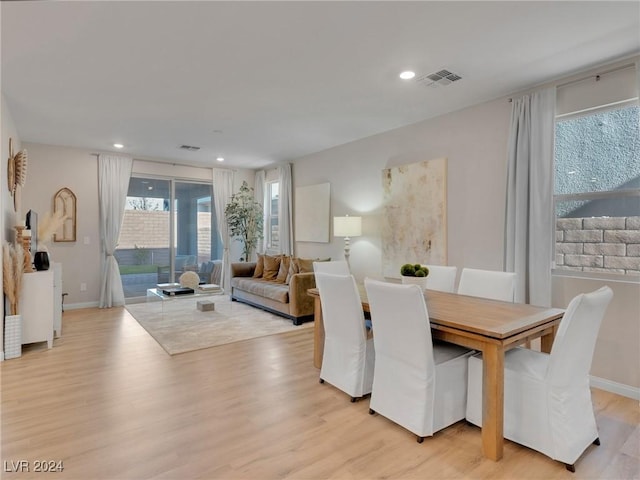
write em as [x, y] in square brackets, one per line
[407, 75]
[220, 159]
[118, 145]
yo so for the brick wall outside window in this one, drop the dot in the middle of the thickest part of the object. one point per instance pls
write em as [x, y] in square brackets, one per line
[599, 244]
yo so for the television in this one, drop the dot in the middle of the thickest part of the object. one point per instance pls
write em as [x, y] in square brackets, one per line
[31, 223]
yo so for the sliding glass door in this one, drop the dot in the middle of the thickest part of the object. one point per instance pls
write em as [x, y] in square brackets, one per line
[168, 228]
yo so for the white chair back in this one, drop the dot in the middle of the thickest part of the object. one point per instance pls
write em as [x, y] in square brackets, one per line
[488, 284]
[572, 350]
[346, 363]
[337, 267]
[401, 329]
[442, 278]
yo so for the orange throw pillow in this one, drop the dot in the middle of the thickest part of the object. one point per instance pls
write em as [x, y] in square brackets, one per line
[257, 273]
[271, 267]
[284, 269]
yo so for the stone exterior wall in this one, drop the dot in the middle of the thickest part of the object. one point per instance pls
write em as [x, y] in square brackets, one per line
[599, 244]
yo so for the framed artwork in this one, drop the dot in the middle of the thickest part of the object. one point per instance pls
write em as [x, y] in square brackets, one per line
[65, 201]
[312, 213]
[414, 226]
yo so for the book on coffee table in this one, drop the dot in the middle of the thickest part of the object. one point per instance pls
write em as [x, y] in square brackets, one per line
[171, 291]
[209, 287]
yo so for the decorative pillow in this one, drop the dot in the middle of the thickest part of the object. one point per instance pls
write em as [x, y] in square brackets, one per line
[293, 269]
[271, 267]
[305, 265]
[284, 269]
[257, 273]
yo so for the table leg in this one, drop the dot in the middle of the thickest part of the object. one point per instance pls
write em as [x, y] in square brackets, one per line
[318, 333]
[546, 341]
[493, 401]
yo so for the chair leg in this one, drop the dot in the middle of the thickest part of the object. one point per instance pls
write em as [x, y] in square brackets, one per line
[353, 399]
[571, 468]
[322, 380]
[420, 439]
[372, 411]
[596, 441]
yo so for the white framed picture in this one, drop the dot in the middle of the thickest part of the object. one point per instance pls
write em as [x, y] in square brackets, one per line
[311, 207]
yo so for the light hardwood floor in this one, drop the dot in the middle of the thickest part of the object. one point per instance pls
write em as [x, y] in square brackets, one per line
[111, 404]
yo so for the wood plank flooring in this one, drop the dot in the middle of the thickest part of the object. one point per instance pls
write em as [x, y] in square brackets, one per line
[109, 403]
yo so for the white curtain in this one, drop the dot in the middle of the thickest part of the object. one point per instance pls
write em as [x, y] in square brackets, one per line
[260, 194]
[113, 183]
[285, 209]
[529, 223]
[222, 191]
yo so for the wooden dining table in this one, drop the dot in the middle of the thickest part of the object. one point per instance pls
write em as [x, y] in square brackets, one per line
[489, 326]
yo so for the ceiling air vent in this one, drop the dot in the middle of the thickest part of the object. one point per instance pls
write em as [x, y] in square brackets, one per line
[442, 78]
[190, 148]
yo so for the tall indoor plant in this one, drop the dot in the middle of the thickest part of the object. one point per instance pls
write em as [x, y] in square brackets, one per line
[245, 219]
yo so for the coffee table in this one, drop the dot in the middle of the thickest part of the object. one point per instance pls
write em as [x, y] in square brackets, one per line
[156, 295]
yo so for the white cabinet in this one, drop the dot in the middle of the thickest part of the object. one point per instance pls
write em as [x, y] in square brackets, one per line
[37, 307]
[57, 298]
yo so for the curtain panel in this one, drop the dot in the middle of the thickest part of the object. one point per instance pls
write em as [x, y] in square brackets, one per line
[529, 222]
[113, 183]
[260, 194]
[285, 209]
[222, 191]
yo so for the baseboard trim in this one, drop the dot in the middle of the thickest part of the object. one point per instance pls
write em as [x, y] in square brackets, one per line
[78, 306]
[615, 387]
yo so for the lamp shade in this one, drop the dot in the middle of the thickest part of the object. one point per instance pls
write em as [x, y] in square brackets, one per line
[347, 226]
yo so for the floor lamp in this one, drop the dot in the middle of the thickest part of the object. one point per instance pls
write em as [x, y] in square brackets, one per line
[347, 227]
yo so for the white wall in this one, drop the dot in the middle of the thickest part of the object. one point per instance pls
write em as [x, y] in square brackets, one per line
[473, 140]
[51, 168]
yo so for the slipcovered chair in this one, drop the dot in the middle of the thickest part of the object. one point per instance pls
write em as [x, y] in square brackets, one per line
[488, 284]
[337, 267]
[547, 400]
[348, 354]
[418, 384]
[442, 278]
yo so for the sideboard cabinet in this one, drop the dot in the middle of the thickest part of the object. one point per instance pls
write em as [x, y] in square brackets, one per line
[41, 305]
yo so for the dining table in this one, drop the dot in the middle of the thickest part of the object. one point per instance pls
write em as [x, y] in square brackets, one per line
[488, 326]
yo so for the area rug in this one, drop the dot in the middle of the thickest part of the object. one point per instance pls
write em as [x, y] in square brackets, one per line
[179, 327]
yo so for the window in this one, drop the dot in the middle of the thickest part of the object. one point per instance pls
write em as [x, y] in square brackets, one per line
[597, 190]
[168, 228]
[272, 228]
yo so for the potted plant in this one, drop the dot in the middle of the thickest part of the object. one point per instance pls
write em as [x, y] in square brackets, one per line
[245, 219]
[414, 273]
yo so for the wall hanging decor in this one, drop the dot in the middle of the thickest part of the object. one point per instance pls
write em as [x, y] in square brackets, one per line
[312, 213]
[65, 206]
[414, 226]
[16, 173]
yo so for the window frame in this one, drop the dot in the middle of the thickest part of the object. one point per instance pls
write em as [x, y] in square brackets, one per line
[270, 215]
[587, 196]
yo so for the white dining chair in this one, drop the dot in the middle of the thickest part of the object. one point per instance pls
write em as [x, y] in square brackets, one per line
[442, 278]
[547, 400]
[348, 359]
[337, 267]
[488, 284]
[417, 383]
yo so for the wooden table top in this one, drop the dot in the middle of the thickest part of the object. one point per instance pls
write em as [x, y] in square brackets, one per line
[490, 318]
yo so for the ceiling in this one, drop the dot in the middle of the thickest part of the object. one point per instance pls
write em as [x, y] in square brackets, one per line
[263, 82]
